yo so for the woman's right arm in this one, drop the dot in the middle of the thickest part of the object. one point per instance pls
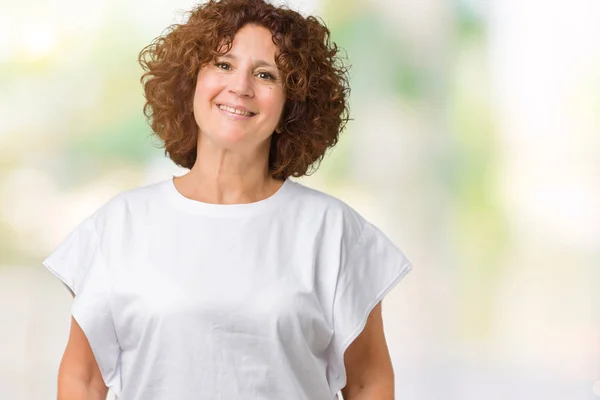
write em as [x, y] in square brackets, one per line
[79, 377]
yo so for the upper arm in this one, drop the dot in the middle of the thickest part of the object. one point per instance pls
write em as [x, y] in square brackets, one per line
[367, 360]
[78, 366]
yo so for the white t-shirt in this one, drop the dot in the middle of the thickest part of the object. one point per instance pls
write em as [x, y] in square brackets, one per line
[186, 300]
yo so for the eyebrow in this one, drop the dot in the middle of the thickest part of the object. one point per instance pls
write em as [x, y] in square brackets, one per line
[258, 63]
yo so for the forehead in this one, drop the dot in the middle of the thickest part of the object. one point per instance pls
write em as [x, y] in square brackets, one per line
[253, 40]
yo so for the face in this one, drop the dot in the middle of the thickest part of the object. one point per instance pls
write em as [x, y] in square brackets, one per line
[239, 97]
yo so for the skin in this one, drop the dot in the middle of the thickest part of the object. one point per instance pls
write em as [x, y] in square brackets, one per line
[369, 371]
[232, 168]
[78, 375]
[232, 156]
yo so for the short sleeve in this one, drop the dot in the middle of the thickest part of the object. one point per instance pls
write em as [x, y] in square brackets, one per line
[77, 262]
[373, 267]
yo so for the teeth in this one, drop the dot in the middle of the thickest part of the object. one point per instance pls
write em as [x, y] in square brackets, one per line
[235, 111]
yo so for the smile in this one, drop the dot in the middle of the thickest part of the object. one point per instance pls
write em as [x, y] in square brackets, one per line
[235, 111]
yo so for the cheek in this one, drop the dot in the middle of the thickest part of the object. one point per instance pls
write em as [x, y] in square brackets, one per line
[276, 100]
[282, 101]
[206, 90]
[198, 95]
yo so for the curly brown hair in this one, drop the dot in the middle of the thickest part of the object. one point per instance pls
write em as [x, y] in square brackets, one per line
[314, 77]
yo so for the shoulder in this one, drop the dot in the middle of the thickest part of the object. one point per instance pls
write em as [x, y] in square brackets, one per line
[139, 195]
[133, 203]
[320, 200]
[332, 211]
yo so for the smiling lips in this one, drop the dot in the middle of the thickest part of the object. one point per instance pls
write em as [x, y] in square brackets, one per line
[236, 111]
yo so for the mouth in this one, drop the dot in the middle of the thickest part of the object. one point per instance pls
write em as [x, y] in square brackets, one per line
[235, 112]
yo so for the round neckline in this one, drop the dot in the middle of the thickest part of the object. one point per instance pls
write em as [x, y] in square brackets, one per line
[199, 207]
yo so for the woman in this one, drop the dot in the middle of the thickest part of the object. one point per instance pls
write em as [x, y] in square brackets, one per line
[232, 281]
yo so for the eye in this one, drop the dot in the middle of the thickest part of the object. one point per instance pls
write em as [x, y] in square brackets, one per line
[266, 75]
[222, 65]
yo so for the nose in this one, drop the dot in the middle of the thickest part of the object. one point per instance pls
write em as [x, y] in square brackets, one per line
[241, 84]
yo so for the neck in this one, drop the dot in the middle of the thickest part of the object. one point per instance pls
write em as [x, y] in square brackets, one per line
[226, 177]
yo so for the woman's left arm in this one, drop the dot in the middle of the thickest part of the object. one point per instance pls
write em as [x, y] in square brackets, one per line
[368, 365]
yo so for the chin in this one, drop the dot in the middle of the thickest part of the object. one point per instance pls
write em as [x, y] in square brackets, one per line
[229, 138]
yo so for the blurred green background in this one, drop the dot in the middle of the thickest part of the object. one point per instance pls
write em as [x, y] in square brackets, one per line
[474, 144]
